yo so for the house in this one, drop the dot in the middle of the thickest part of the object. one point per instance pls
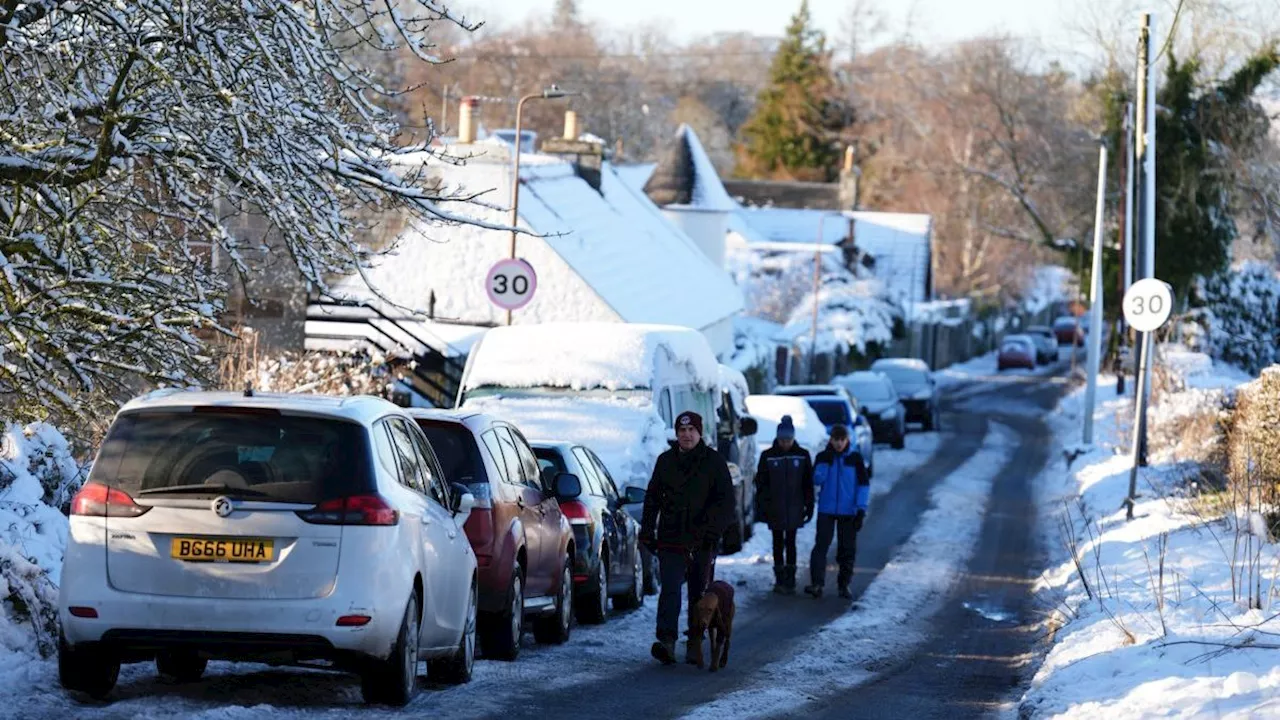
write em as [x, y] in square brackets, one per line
[601, 249]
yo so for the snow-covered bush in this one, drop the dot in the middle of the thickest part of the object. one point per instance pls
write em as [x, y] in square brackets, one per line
[1253, 445]
[38, 476]
[1239, 315]
[853, 317]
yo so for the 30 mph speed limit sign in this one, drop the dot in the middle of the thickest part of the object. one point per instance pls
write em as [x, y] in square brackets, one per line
[1147, 304]
[510, 283]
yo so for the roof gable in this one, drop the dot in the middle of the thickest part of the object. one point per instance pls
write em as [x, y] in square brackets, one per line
[685, 176]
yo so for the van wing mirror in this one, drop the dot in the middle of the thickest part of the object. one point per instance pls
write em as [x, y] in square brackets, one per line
[633, 496]
[567, 487]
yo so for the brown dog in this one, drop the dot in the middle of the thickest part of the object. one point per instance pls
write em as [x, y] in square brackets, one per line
[714, 616]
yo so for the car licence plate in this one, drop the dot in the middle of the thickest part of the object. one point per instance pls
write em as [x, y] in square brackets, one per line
[245, 550]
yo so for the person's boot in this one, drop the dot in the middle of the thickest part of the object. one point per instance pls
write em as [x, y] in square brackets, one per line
[779, 580]
[790, 580]
[844, 592]
[814, 590]
[664, 651]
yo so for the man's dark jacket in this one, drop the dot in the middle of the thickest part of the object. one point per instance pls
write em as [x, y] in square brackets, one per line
[689, 502]
[784, 486]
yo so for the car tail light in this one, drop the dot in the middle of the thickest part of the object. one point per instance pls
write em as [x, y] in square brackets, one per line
[82, 611]
[98, 500]
[577, 513]
[352, 510]
[353, 620]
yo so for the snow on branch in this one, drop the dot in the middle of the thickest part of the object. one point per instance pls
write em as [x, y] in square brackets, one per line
[129, 132]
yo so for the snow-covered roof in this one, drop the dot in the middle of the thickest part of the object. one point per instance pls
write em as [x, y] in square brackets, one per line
[899, 242]
[685, 176]
[613, 255]
[585, 356]
[635, 175]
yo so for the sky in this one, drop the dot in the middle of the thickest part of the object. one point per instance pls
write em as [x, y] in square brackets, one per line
[940, 20]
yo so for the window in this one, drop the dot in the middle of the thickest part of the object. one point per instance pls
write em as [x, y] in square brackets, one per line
[239, 453]
[411, 471]
[725, 416]
[610, 490]
[664, 407]
[515, 473]
[436, 486]
[386, 453]
[591, 481]
[532, 473]
[494, 448]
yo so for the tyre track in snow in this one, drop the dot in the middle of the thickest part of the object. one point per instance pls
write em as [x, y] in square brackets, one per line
[770, 627]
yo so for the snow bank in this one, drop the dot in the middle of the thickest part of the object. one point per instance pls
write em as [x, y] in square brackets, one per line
[586, 356]
[38, 475]
[1138, 640]
[768, 411]
[627, 434]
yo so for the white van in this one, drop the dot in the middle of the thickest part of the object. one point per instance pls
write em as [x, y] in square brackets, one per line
[613, 387]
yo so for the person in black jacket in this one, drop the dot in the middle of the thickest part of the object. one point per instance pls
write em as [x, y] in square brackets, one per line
[686, 509]
[784, 490]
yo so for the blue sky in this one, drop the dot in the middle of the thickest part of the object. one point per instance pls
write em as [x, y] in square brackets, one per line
[939, 20]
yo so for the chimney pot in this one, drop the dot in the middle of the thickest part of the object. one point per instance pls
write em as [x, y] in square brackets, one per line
[848, 158]
[571, 125]
[468, 119]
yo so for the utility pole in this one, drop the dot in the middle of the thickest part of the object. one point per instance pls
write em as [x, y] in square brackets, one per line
[1126, 231]
[1094, 349]
[1142, 135]
[444, 112]
[1149, 225]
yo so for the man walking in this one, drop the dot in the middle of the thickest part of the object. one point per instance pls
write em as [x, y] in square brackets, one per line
[784, 490]
[686, 509]
[843, 486]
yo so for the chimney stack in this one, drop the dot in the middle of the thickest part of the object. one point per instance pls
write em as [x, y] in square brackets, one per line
[571, 125]
[849, 176]
[468, 119]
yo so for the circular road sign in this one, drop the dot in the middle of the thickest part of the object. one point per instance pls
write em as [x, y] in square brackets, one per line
[1147, 304]
[511, 283]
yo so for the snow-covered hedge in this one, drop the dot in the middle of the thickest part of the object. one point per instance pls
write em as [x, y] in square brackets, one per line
[1253, 446]
[853, 315]
[38, 477]
[1238, 320]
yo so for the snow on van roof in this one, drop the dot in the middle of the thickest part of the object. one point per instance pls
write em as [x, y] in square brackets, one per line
[584, 356]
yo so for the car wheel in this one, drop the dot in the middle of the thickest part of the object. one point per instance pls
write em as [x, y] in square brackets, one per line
[500, 634]
[180, 666]
[394, 681]
[594, 604]
[457, 670]
[92, 672]
[634, 597]
[555, 630]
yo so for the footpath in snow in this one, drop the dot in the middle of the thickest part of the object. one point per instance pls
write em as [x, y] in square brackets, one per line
[888, 618]
[1173, 613]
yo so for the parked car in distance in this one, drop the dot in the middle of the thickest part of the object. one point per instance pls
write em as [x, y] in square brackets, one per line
[916, 388]
[768, 411]
[858, 425]
[1069, 331]
[242, 527]
[1016, 351]
[523, 543]
[836, 410]
[735, 438]
[607, 562]
[1046, 343]
[880, 406]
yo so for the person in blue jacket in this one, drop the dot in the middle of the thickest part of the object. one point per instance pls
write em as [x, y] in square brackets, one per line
[843, 487]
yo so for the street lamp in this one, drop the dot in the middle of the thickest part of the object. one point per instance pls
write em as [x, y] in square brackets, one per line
[818, 249]
[549, 93]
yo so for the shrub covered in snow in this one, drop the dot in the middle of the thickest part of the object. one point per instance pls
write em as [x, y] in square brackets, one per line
[853, 317]
[1239, 316]
[38, 476]
[1253, 444]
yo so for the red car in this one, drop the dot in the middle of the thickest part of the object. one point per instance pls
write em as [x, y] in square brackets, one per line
[1017, 351]
[523, 543]
[1068, 331]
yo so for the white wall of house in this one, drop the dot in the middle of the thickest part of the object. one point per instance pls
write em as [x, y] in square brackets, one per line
[720, 336]
[706, 228]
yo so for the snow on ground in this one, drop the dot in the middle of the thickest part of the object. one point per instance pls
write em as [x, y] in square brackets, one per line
[880, 628]
[1127, 648]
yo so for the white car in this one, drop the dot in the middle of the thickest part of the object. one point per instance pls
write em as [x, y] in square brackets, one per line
[288, 529]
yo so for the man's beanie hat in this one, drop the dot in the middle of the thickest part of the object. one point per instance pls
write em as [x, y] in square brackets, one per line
[689, 418]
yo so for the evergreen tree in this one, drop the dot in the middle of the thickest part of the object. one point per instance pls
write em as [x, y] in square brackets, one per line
[793, 131]
[1200, 131]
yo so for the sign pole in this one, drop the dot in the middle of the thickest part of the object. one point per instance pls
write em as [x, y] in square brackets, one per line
[1094, 350]
[1137, 437]
[1147, 307]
